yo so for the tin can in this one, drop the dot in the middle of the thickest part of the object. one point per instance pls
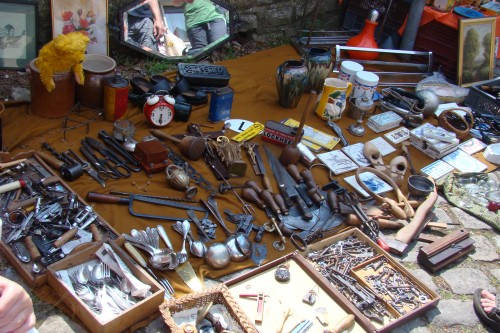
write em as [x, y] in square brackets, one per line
[221, 103]
[115, 97]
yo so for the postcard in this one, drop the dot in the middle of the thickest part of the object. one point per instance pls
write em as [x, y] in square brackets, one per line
[337, 162]
[437, 169]
[383, 146]
[398, 135]
[355, 152]
[463, 162]
[472, 146]
[373, 182]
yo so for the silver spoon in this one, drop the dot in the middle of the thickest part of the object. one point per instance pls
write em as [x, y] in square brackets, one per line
[196, 247]
[182, 255]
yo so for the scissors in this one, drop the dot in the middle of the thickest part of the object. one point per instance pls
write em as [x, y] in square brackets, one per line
[87, 168]
[116, 165]
[102, 171]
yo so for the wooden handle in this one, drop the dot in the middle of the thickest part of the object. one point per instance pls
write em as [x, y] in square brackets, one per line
[250, 195]
[254, 186]
[35, 254]
[409, 232]
[333, 201]
[106, 198]
[135, 254]
[49, 180]
[96, 235]
[267, 197]
[50, 160]
[278, 198]
[164, 135]
[266, 182]
[343, 325]
[311, 101]
[293, 170]
[65, 237]
[11, 163]
[382, 223]
[18, 204]
[286, 314]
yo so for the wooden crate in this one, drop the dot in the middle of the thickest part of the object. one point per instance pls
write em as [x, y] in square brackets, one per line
[120, 322]
[25, 269]
[306, 275]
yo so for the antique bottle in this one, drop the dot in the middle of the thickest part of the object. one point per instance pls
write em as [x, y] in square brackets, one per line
[366, 38]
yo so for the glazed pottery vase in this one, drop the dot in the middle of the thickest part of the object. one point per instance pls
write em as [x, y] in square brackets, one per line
[291, 80]
[319, 64]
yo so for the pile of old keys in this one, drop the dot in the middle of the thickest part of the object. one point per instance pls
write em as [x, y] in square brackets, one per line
[335, 262]
[394, 287]
[42, 220]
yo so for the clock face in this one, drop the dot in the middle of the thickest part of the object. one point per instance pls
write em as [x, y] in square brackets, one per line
[161, 115]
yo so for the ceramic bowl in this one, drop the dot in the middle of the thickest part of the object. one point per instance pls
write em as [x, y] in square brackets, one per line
[492, 153]
[420, 186]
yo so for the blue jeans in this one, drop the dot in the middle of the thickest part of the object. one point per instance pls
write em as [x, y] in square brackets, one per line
[140, 30]
[206, 33]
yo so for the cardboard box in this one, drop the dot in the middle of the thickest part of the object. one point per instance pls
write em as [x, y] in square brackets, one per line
[25, 270]
[195, 301]
[120, 322]
[304, 272]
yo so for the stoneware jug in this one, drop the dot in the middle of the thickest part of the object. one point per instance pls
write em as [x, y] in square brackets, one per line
[291, 80]
[333, 98]
[319, 64]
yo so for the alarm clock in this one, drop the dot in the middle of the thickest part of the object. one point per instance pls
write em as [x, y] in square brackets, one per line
[159, 110]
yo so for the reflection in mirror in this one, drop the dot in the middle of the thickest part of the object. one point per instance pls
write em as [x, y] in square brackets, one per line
[194, 28]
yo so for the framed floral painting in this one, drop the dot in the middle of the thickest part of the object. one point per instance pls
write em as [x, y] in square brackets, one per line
[18, 23]
[90, 17]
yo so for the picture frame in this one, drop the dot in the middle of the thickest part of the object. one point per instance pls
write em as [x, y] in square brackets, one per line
[476, 61]
[18, 38]
[89, 17]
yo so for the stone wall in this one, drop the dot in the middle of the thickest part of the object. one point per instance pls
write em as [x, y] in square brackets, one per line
[260, 20]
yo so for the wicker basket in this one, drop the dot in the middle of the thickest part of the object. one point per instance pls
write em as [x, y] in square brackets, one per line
[452, 121]
[218, 295]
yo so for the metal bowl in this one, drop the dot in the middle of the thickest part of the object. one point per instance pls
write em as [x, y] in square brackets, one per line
[420, 186]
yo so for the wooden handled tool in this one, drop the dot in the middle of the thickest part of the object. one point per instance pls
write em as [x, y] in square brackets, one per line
[343, 325]
[65, 237]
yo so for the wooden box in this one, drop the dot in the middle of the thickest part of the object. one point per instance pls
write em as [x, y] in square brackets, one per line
[123, 320]
[194, 301]
[288, 296]
[25, 270]
[305, 276]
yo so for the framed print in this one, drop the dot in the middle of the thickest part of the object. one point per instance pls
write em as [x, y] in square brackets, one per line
[18, 45]
[89, 17]
[476, 49]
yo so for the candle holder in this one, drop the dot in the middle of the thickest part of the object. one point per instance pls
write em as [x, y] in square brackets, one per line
[362, 105]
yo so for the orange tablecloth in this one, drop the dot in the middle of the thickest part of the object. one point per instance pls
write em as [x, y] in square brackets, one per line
[255, 99]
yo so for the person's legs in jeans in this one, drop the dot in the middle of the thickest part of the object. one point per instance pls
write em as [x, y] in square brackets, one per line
[198, 36]
[216, 29]
[141, 32]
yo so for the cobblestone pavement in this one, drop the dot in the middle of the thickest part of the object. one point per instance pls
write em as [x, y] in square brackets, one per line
[455, 284]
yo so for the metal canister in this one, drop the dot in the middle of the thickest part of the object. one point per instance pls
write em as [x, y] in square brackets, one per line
[115, 97]
[221, 103]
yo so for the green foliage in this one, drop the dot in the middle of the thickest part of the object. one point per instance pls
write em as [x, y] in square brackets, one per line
[487, 44]
[471, 47]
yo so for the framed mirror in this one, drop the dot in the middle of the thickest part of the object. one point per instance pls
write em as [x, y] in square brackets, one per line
[194, 28]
